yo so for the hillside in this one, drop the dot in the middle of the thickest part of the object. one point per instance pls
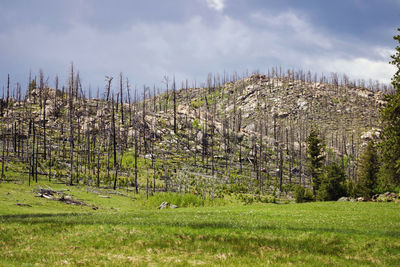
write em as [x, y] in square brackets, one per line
[243, 136]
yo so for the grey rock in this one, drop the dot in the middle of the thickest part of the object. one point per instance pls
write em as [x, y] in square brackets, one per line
[166, 205]
[346, 199]
[163, 205]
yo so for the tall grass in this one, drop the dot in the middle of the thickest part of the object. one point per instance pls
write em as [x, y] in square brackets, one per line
[183, 200]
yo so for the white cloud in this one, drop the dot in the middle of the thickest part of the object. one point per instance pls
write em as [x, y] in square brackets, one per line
[384, 52]
[362, 68]
[217, 5]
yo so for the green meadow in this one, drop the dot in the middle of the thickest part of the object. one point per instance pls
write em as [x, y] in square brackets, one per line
[120, 228]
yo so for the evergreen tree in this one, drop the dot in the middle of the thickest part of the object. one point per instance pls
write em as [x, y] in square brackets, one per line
[315, 148]
[390, 145]
[368, 171]
[332, 185]
[32, 86]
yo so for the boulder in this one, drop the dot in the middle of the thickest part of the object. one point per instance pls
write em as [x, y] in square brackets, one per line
[346, 199]
[250, 128]
[386, 197]
[149, 156]
[166, 205]
[163, 205]
[373, 134]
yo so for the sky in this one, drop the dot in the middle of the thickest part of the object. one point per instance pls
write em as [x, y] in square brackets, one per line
[188, 39]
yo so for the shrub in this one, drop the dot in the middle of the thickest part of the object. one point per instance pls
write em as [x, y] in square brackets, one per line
[250, 198]
[351, 189]
[302, 194]
[238, 188]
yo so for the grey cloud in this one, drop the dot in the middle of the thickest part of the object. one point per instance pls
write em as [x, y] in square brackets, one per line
[146, 51]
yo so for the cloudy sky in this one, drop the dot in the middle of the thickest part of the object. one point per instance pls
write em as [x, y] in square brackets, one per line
[191, 38]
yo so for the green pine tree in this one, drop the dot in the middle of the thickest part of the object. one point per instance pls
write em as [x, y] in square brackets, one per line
[368, 171]
[315, 149]
[332, 185]
[32, 86]
[390, 144]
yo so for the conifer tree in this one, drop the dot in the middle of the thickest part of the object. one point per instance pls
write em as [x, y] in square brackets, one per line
[332, 183]
[315, 148]
[390, 115]
[368, 171]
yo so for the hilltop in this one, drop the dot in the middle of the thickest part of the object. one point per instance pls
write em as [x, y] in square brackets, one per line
[245, 135]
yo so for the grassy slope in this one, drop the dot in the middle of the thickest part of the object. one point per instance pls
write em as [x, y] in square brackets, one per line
[123, 232]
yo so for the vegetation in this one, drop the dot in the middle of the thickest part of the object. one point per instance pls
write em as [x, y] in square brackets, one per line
[302, 194]
[221, 155]
[368, 171]
[390, 144]
[332, 185]
[315, 154]
[122, 232]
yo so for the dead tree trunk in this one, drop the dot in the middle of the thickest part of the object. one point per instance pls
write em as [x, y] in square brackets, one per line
[3, 156]
[33, 153]
[114, 145]
[109, 79]
[174, 92]
[136, 156]
[8, 91]
[71, 127]
[44, 129]
[121, 98]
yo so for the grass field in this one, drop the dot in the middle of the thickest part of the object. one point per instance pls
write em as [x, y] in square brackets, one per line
[125, 231]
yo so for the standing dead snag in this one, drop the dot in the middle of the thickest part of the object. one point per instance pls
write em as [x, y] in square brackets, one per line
[114, 144]
[3, 157]
[71, 124]
[166, 81]
[33, 152]
[136, 157]
[144, 119]
[109, 79]
[44, 128]
[136, 142]
[174, 90]
[121, 98]
[8, 90]
[129, 103]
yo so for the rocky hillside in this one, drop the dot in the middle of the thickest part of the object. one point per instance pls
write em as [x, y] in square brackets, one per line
[246, 135]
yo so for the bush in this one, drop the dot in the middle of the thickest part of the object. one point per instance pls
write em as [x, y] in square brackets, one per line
[302, 194]
[250, 198]
[351, 189]
[237, 188]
